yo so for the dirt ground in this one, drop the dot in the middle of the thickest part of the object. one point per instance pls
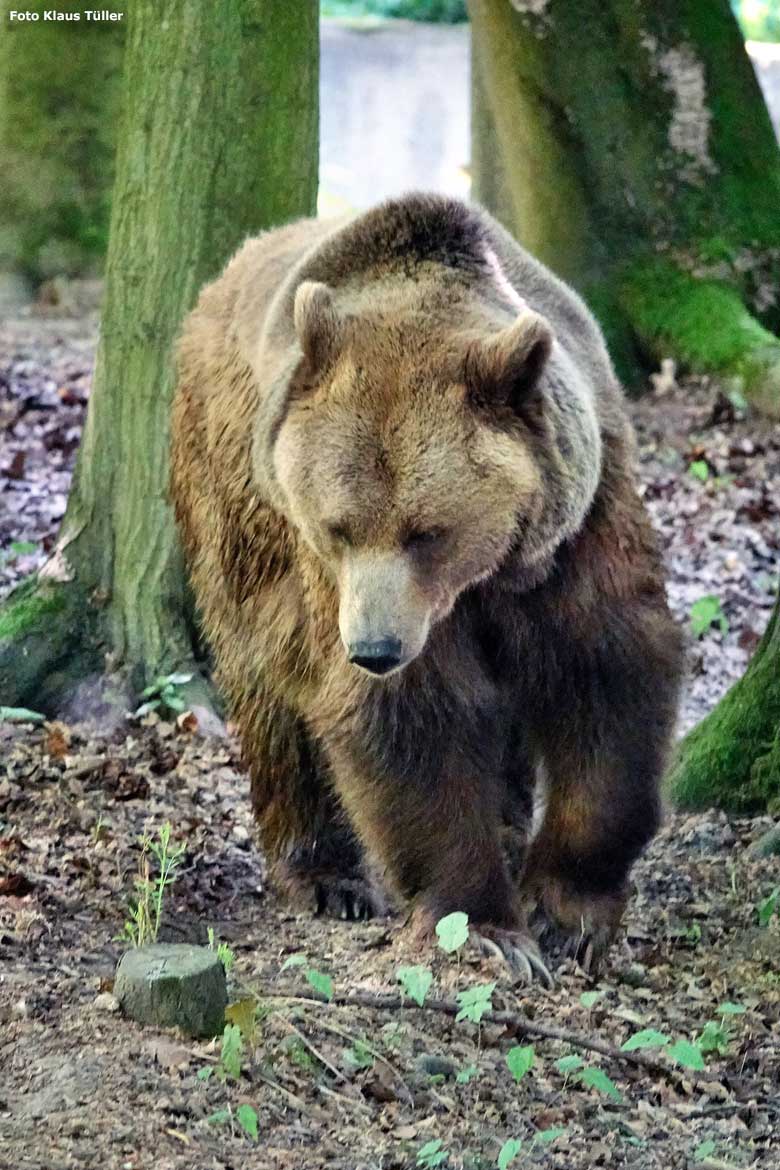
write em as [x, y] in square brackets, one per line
[341, 1084]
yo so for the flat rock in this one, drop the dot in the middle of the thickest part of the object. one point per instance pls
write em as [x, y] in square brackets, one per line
[173, 985]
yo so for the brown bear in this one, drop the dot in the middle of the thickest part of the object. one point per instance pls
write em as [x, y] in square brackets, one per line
[402, 470]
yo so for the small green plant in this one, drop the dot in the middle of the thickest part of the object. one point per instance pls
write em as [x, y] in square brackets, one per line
[452, 931]
[467, 1074]
[594, 1077]
[508, 1152]
[475, 1001]
[415, 982]
[768, 907]
[707, 612]
[225, 955]
[17, 548]
[163, 693]
[320, 982]
[687, 1054]
[731, 1009]
[704, 1150]
[589, 998]
[145, 913]
[520, 1060]
[230, 1057]
[647, 1038]
[715, 1037]
[360, 1055]
[700, 470]
[432, 1154]
[245, 1115]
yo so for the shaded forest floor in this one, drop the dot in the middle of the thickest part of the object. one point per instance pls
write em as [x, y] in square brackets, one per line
[81, 1086]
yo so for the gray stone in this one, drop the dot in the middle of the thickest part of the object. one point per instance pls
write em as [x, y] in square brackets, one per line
[173, 985]
[768, 845]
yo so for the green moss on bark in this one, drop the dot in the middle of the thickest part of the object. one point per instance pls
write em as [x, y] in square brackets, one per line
[732, 758]
[705, 324]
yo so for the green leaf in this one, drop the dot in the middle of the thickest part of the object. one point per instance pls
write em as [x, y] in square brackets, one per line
[714, 1038]
[545, 1136]
[589, 998]
[699, 469]
[520, 1060]
[246, 1117]
[232, 1047]
[707, 612]
[322, 984]
[293, 961]
[20, 715]
[475, 1001]
[360, 1056]
[467, 1074]
[731, 1009]
[22, 548]
[509, 1152]
[596, 1078]
[768, 907]
[452, 931]
[569, 1064]
[687, 1054]
[704, 1150]
[204, 1073]
[416, 982]
[432, 1154]
[648, 1038]
[219, 1118]
[176, 680]
[173, 701]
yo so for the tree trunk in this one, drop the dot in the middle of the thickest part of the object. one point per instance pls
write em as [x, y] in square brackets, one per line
[59, 100]
[218, 139]
[629, 147]
[732, 758]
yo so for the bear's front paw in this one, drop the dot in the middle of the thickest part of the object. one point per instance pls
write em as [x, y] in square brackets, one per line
[515, 948]
[351, 899]
[578, 926]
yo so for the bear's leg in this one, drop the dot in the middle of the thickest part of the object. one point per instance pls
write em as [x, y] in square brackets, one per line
[437, 838]
[313, 855]
[603, 754]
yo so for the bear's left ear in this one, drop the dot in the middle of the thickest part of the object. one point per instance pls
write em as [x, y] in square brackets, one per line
[504, 369]
[317, 323]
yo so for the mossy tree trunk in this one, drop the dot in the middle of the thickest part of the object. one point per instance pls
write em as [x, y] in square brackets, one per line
[218, 139]
[628, 145]
[732, 758]
[59, 100]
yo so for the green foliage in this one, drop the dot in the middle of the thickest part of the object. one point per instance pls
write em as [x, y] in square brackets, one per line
[700, 470]
[769, 907]
[360, 1055]
[231, 1051]
[467, 1074]
[20, 715]
[707, 612]
[520, 1060]
[715, 1037]
[567, 1065]
[475, 1001]
[508, 1153]
[164, 693]
[432, 1154]
[595, 1078]
[225, 954]
[142, 925]
[687, 1054]
[731, 1009]
[452, 931]
[589, 998]
[441, 11]
[648, 1038]
[17, 548]
[704, 1150]
[322, 984]
[759, 19]
[416, 982]
[246, 1117]
[545, 1136]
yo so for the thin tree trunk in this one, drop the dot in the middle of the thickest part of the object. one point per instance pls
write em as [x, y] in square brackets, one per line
[218, 140]
[641, 165]
[59, 100]
[732, 758]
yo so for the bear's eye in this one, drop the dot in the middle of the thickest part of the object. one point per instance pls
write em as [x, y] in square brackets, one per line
[418, 537]
[339, 533]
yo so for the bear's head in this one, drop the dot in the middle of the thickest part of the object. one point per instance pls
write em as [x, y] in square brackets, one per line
[413, 457]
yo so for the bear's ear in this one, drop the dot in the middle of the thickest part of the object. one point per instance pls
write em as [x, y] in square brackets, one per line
[317, 324]
[504, 369]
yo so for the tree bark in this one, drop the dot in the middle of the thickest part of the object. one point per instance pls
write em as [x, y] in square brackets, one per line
[218, 140]
[629, 147]
[59, 101]
[732, 758]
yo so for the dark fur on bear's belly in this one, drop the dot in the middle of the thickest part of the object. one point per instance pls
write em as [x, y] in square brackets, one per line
[561, 662]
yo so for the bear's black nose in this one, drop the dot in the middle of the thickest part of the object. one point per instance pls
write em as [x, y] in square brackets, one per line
[377, 657]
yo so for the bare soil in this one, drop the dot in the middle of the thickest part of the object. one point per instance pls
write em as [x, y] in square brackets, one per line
[80, 1086]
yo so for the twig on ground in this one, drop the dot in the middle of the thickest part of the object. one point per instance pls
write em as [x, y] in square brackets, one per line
[519, 1024]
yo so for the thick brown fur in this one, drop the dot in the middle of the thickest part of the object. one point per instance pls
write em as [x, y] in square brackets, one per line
[402, 426]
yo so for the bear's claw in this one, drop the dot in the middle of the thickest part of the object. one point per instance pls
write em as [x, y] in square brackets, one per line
[517, 950]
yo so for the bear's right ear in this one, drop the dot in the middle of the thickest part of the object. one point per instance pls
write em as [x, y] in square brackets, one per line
[317, 324]
[504, 369]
